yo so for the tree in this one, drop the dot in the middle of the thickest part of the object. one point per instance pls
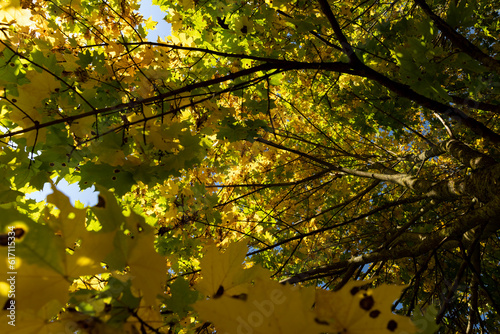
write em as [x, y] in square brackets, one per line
[347, 143]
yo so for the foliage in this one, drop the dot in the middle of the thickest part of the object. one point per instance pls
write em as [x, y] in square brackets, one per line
[273, 166]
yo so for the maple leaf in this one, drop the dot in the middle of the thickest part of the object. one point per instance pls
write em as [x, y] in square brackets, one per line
[182, 297]
[237, 306]
[132, 246]
[45, 260]
[50, 286]
[223, 273]
[32, 94]
[89, 247]
[353, 310]
[28, 321]
[148, 314]
[147, 268]
[267, 307]
[11, 12]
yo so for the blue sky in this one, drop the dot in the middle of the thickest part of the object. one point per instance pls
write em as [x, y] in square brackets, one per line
[162, 28]
[89, 197]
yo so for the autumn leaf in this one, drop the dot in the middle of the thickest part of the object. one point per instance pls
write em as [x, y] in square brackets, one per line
[182, 297]
[355, 310]
[51, 291]
[45, 261]
[224, 274]
[11, 12]
[32, 322]
[89, 248]
[266, 308]
[132, 246]
[147, 268]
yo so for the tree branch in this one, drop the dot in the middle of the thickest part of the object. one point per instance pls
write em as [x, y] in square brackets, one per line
[439, 107]
[466, 155]
[281, 65]
[349, 221]
[346, 47]
[484, 215]
[458, 40]
[476, 104]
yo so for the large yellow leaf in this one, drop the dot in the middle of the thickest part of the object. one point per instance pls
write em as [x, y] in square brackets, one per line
[30, 322]
[31, 95]
[353, 310]
[147, 268]
[11, 12]
[224, 273]
[32, 286]
[267, 308]
[89, 247]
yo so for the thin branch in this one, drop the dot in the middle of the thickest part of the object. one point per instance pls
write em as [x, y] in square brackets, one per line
[476, 104]
[439, 107]
[455, 231]
[283, 65]
[346, 47]
[288, 259]
[331, 227]
[269, 185]
[458, 40]
[450, 133]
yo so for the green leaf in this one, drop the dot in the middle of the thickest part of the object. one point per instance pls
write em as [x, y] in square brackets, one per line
[426, 322]
[182, 297]
[110, 177]
[276, 79]
[107, 211]
[8, 195]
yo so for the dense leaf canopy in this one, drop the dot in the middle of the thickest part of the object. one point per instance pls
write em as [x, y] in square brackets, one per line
[351, 145]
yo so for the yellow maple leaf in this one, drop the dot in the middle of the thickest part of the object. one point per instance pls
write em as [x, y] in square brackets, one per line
[11, 12]
[223, 273]
[353, 310]
[70, 225]
[32, 286]
[150, 24]
[147, 313]
[37, 273]
[30, 322]
[147, 268]
[268, 307]
[29, 101]
[32, 95]
[70, 221]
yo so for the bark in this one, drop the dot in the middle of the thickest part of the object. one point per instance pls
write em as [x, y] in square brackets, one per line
[482, 183]
[466, 155]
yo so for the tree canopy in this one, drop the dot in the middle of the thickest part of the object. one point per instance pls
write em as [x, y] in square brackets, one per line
[308, 166]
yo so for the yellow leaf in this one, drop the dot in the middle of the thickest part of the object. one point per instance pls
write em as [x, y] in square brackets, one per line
[147, 268]
[30, 322]
[12, 12]
[223, 273]
[148, 314]
[353, 310]
[32, 95]
[267, 308]
[70, 225]
[33, 286]
[150, 24]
